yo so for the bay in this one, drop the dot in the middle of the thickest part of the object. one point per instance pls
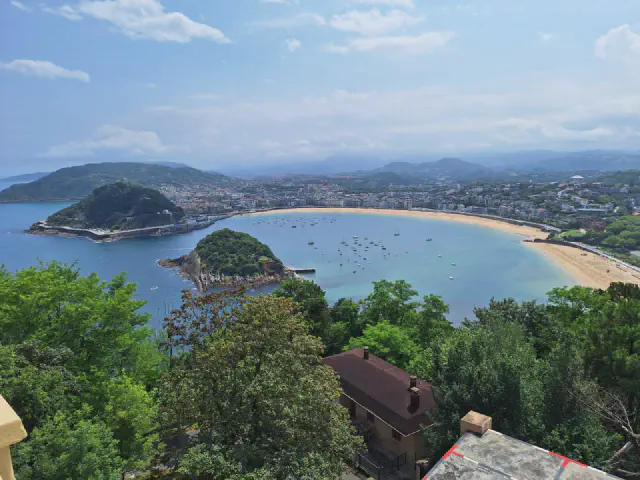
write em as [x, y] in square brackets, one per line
[488, 263]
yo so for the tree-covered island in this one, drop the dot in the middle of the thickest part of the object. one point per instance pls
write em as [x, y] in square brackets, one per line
[119, 206]
[228, 258]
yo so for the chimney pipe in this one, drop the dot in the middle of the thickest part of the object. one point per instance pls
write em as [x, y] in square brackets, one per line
[413, 381]
[415, 399]
[366, 353]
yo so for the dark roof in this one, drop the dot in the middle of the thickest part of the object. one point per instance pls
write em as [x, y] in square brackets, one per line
[497, 456]
[381, 388]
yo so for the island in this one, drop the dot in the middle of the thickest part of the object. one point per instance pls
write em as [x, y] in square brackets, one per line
[119, 210]
[227, 258]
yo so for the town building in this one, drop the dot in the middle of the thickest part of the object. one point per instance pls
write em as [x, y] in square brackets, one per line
[388, 407]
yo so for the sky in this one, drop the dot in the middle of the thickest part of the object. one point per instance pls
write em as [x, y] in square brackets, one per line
[251, 82]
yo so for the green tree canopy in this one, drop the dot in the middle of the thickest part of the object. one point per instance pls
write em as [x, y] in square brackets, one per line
[260, 399]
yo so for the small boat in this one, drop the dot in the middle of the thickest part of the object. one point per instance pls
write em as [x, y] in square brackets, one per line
[429, 239]
[355, 237]
[153, 288]
[439, 256]
[294, 226]
[450, 278]
[384, 248]
[453, 264]
[311, 242]
[397, 234]
[354, 271]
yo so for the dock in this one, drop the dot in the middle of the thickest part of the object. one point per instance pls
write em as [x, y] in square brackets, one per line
[301, 270]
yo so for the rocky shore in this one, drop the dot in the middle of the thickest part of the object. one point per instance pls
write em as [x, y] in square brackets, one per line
[190, 268]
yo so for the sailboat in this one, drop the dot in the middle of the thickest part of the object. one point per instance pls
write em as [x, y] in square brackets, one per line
[397, 234]
[311, 242]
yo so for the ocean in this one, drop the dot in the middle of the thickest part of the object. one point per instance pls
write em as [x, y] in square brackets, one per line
[488, 263]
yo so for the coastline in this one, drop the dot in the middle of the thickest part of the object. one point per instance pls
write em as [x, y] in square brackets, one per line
[590, 270]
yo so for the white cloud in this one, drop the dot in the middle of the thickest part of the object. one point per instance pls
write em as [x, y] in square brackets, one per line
[21, 6]
[64, 11]
[44, 69]
[389, 3]
[426, 42]
[620, 43]
[142, 19]
[546, 37]
[373, 22]
[293, 44]
[113, 137]
[301, 20]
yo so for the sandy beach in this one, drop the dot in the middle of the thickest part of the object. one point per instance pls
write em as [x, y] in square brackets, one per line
[589, 270]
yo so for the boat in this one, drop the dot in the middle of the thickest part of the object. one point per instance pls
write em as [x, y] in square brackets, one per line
[311, 242]
[453, 264]
[397, 234]
[294, 226]
[439, 256]
[153, 288]
[355, 237]
[450, 278]
[429, 239]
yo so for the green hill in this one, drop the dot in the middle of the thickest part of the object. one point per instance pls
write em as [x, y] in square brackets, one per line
[74, 183]
[229, 253]
[119, 206]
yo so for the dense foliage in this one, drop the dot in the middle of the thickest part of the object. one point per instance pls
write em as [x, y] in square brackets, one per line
[119, 206]
[253, 386]
[235, 253]
[75, 183]
[622, 235]
[235, 390]
[79, 367]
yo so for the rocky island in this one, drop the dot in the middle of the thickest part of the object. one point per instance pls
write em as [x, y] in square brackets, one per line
[113, 211]
[227, 258]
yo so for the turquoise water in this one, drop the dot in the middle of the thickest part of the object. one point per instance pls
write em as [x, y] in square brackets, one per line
[489, 263]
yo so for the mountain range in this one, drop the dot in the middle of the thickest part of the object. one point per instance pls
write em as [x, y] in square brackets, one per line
[74, 183]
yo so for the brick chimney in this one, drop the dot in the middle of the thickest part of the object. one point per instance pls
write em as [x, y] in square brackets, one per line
[366, 353]
[475, 422]
[413, 381]
[415, 399]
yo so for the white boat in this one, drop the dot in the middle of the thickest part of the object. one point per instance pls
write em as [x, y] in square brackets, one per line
[439, 256]
[450, 278]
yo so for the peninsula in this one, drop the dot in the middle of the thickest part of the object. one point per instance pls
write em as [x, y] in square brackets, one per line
[227, 258]
[116, 210]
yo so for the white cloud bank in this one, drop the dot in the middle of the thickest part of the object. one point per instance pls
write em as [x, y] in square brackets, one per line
[142, 19]
[113, 137]
[423, 43]
[373, 22]
[21, 6]
[44, 69]
[619, 43]
[389, 3]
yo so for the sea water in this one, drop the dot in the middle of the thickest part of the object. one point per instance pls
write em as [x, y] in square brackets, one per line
[488, 263]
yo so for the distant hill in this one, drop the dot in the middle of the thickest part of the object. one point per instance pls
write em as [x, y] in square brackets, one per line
[74, 183]
[629, 177]
[444, 168]
[27, 177]
[603, 161]
[119, 206]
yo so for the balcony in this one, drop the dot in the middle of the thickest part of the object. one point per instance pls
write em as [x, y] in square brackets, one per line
[11, 432]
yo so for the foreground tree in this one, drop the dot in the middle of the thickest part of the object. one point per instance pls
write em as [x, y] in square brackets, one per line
[262, 404]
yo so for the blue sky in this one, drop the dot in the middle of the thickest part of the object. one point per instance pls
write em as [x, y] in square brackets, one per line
[221, 82]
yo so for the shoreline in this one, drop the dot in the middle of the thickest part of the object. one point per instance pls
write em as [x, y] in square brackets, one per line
[586, 269]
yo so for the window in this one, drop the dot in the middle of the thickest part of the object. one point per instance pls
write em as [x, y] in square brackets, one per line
[396, 435]
[370, 417]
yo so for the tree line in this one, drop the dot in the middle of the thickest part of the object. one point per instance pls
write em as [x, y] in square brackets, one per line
[233, 386]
